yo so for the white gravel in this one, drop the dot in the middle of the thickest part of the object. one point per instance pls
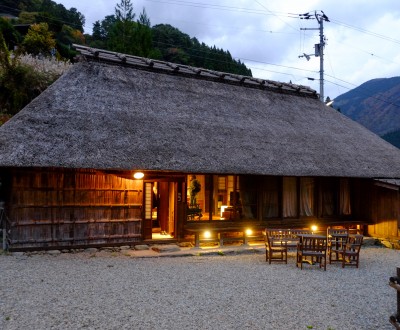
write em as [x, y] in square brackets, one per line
[114, 291]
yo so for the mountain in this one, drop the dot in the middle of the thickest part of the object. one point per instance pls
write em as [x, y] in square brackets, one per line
[374, 104]
[393, 138]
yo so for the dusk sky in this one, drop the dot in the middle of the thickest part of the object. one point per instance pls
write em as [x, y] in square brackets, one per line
[363, 36]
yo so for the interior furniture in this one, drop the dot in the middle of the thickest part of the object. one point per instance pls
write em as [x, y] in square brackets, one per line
[194, 211]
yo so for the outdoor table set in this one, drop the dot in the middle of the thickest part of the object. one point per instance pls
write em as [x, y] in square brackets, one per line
[336, 246]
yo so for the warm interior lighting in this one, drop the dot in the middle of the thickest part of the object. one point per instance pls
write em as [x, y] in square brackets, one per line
[223, 207]
[249, 232]
[207, 234]
[138, 175]
[314, 228]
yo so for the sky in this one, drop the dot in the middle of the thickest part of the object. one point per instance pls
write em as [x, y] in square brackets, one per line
[362, 37]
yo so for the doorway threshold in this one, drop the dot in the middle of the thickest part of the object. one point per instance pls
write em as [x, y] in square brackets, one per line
[160, 241]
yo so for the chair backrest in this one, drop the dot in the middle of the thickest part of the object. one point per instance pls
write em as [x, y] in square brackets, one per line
[310, 243]
[354, 243]
[334, 231]
[337, 235]
[286, 234]
[296, 232]
[268, 243]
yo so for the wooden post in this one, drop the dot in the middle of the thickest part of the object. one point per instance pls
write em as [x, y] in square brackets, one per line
[394, 282]
[4, 236]
[3, 220]
[398, 295]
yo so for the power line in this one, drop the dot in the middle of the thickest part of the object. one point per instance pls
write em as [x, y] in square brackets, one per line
[377, 35]
[366, 92]
[216, 7]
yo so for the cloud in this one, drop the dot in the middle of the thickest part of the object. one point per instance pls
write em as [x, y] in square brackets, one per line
[361, 36]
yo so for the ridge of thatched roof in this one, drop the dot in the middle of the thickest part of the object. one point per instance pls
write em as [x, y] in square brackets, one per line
[101, 55]
[117, 117]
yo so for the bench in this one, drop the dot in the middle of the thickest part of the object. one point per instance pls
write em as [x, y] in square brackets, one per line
[285, 237]
[223, 235]
[279, 241]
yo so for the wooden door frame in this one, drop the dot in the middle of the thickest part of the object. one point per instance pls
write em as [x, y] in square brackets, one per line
[179, 200]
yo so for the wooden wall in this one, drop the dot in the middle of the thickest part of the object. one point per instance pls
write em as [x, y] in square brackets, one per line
[53, 208]
[386, 213]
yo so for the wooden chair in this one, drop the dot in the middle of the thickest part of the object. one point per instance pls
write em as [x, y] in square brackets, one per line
[351, 252]
[337, 239]
[313, 247]
[275, 250]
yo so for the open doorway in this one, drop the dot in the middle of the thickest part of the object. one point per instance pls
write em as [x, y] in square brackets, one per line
[160, 210]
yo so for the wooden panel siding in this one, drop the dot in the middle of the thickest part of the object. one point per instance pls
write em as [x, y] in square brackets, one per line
[386, 213]
[69, 208]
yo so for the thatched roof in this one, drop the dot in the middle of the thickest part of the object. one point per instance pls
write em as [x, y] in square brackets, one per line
[141, 114]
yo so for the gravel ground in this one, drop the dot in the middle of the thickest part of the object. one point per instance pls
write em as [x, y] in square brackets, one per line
[236, 291]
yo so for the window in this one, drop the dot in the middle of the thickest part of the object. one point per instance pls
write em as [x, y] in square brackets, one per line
[289, 197]
[335, 197]
[270, 197]
[306, 197]
[345, 205]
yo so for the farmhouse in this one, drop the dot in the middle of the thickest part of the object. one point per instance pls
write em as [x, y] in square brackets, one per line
[123, 150]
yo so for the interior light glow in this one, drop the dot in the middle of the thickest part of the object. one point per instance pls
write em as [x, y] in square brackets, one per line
[314, 228]
[223, 207]
[207, 234]
[138, 175]
[249, 232]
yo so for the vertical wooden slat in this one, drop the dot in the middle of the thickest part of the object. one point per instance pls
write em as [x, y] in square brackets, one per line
[64, 207]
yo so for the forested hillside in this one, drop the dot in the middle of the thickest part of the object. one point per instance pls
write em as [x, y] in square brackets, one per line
[65, 25]
[374, 104]
[46, 30]
[393, 138]
[126, 32]
[122, 31]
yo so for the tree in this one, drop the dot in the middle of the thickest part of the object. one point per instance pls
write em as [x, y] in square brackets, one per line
[122, 33]
[101, 32]
[19, 84]
[11, 36]
[39, 40]
[143, 35]
[124, 11]
[22, 78]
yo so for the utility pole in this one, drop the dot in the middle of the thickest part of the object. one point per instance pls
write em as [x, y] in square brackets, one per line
[319, 48]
